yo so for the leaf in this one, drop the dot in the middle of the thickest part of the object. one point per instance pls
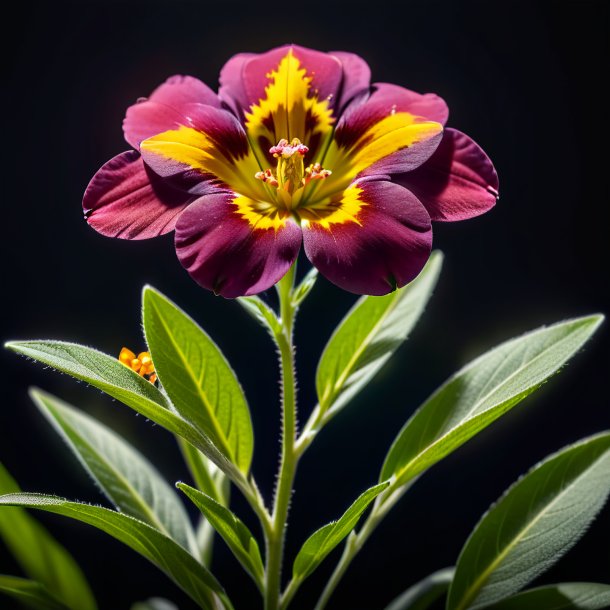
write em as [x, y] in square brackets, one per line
[565, 596]
[368, 335]
[30, 593]
[94, 367]
[537, 520]
[300, 292]
[162, 551]
[198, 379]
[155, 603]
[109, 375]
[424, 593]
[40, 556]
[237, 536]
[480, 393]
[127, 478]
[323, 541]
[261, 312]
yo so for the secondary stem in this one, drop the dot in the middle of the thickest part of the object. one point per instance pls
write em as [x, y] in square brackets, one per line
[276, 535]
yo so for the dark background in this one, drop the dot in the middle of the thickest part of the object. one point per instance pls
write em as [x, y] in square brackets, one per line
[524, 79]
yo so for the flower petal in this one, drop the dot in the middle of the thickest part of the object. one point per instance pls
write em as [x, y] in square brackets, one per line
[380, 242]
[458, 182]
[169, 105]
[356, 78]
[383, 135]
[232, 91]
[246, 77]
[235, 246]
[213, 145]
[126, 200]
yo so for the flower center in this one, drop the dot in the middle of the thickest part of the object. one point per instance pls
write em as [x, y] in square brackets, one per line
[291, 175]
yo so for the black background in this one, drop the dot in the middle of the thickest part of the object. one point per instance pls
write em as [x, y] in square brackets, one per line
[524, 79]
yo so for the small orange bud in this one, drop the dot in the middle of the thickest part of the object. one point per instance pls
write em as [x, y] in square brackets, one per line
[142, 364]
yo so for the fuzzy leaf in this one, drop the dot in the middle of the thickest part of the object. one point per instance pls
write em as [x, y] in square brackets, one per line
[198, 379]
[323, 541]
[162, 551]
[261, 312]
[537, 520]
[237, 536]
[127, 478]
[424, 593]
[368, 335]
[109, 375]
[564, 596]
[480, 393]
[40, 556]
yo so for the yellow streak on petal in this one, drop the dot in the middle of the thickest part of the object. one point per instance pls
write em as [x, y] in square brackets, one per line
[260, 214]
[290, 108]
[197, 150]
[389, 135]
[392, 133]
[339, 209]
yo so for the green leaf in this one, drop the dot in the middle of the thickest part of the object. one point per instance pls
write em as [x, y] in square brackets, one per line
[198, 379]
[162, 551]
[155, 603]
[109, 375]
[565, 596]
[261, 312]
[323, 541]
[237, 536]
[424, 593]
[537, 520]
[127, 478]
[300, 292]
[30, 593]
[40, 556]
[480, 393]
[368, 335]
[100, 370]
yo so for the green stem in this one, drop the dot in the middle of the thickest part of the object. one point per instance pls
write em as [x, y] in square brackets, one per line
[276, 535]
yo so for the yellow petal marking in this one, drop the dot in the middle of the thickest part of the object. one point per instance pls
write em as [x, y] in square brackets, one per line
[341, 208]
[261, 215]
[197, 150]
[290, 109]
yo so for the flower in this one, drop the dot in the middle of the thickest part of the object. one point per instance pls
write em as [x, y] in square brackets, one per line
[296, 147]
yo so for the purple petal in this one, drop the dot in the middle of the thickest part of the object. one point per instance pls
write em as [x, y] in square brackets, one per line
[170, 105]
[458, 182]
[126, 200]
[383, 247]
[356, 78]
[179, 90]
[244, 77]
[232, 91]
[225, 253]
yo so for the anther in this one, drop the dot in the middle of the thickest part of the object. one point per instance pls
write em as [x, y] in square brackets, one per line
[267, 176]
[315, 172]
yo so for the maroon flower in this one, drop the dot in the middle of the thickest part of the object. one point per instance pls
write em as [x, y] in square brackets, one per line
[297, 146]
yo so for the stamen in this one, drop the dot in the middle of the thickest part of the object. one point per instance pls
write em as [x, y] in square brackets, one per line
[141, 364]
[315, 172]
[267, 176]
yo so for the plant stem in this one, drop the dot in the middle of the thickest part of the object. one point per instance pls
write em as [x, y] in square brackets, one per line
[276, 535]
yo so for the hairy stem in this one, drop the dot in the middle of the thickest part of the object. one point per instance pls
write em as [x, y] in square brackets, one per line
[276, 535]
